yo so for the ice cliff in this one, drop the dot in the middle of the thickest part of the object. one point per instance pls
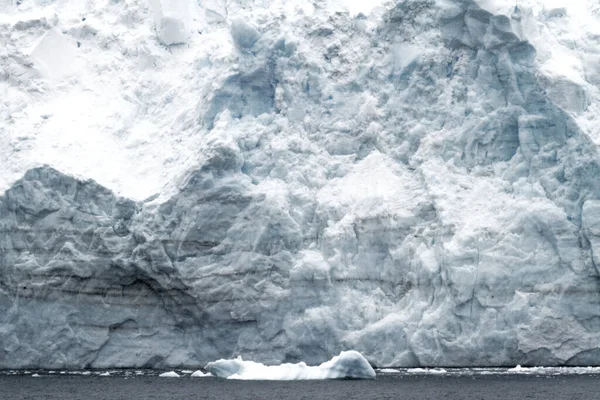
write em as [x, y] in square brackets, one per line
[416, 180]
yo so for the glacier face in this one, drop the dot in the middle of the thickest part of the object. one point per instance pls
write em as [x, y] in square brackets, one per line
[418, 184]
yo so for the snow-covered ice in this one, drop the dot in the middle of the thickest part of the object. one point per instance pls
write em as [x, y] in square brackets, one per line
[349, 364]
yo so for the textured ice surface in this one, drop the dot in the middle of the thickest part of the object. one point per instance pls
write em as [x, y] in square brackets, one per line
[54, 55]
[172, 21]
[349, 364]
[418, 182]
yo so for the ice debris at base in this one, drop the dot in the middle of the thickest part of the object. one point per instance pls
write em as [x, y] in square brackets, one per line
[170, 374]
[200, 374]
[349, 364]
[418, 182]
[518, 370]
[553, 370]
[427, 371]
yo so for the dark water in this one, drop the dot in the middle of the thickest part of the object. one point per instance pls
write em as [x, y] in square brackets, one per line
[384, 387]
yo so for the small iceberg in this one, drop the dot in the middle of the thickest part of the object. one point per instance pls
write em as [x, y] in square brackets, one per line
[170, 374]
[200, 374]
[349, 364]
[388, 371]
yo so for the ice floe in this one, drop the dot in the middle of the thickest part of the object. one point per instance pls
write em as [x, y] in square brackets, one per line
[349, 364]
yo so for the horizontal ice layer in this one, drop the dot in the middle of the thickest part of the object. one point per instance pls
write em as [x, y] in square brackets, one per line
[349, 364]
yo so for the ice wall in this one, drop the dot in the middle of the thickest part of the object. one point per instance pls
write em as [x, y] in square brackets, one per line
[418, 184]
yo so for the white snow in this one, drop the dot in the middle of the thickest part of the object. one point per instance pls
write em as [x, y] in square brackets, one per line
[349, 364]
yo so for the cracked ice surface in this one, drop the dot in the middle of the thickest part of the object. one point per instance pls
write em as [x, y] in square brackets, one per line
[416, 181]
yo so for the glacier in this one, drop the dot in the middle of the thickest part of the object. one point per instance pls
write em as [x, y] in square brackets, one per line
[184, 182]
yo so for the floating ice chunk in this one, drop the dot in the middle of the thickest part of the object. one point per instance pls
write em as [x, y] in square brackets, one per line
[35, 375]
[172, 21]
[349, 364]
[170, 374]
[105, 374]
[200, 374]
[54, 55]
[388, 371]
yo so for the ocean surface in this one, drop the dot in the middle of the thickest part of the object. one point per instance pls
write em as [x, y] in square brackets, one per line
[401, 386]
